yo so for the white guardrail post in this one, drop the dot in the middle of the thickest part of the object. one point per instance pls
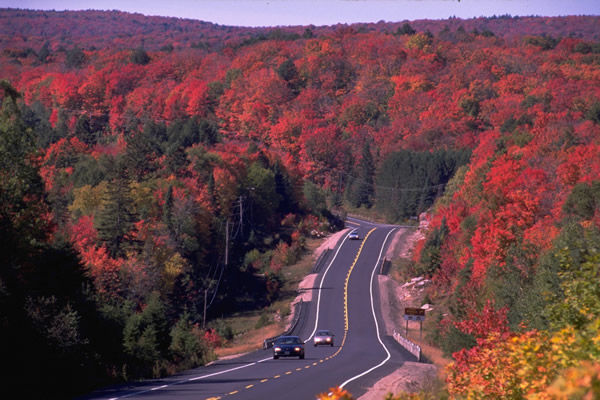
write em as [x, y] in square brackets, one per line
[412, 348]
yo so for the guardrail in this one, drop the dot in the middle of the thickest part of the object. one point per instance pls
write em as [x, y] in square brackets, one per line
[412, 348]
[300, 306]
[384, 266]
[298, 310]
[321, 261]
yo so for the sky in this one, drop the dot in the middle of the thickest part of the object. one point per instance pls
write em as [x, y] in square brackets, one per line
[319, 12]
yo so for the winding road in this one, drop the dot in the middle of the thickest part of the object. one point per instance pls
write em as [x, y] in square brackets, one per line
[345, 300]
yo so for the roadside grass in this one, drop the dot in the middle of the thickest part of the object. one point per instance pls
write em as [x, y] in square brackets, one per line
[251, 328]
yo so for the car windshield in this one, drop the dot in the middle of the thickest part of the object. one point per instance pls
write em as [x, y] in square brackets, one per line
[323, 333]
[288, 340]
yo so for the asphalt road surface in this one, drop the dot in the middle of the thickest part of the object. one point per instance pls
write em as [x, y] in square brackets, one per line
[345, 301]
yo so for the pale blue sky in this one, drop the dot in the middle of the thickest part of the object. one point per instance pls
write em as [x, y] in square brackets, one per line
[319, 12]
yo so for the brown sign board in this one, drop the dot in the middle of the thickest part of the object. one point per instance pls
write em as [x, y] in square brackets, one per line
[414, 311]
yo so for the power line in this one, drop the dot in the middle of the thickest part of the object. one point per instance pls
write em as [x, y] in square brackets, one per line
[354, 178]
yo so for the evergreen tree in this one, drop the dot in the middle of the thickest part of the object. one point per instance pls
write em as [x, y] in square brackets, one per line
[46, 316]
[264, 197]
[75, 58]
[364, 184]
[146, 335]
[115, 218]
[44, 52]
[83, 130]
[143, 150]
[288, 72]
[139, 56]
[36, 117]
[409, 182]
[405, 29]
[61, 128]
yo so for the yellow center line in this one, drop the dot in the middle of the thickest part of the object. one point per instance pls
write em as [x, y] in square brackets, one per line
[346, 283]
[346, 319]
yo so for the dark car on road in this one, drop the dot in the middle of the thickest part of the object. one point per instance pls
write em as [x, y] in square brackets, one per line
[323, 337]
[288, 346]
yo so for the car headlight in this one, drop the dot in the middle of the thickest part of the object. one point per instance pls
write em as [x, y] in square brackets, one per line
[329, 339]
[297, 349]
[277, 348]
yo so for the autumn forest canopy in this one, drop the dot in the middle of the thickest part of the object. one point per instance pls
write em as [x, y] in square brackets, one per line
[153, 167]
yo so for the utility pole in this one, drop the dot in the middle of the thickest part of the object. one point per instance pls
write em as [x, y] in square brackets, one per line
[205, 299]
[241, 214]
[227, 242]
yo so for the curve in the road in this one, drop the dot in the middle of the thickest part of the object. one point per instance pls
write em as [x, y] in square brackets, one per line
[222, 380]
[321, 288]
[374, 316]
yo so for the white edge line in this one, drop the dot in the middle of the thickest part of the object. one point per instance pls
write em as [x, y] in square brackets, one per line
[222, 372]
[321, 287]
[374, 318]
[260, 361]
[190, 379]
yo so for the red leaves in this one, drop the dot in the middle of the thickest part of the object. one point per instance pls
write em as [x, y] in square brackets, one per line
[485, 323]
[529, 115]
[581, 165]
[212, 338]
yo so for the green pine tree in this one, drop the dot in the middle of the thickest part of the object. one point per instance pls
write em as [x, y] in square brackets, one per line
[114, 220]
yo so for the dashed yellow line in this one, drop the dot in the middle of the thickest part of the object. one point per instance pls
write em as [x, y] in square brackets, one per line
[346, 324]
[346, 319]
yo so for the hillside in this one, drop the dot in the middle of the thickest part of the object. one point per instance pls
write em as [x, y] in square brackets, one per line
[172, 161]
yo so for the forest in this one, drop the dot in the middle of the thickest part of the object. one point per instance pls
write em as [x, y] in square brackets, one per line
[151, 167]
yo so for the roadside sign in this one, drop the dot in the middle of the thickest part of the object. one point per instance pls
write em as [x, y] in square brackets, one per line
[414, 314]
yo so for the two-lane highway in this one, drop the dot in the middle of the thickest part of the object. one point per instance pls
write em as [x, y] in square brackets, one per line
[345, 301]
